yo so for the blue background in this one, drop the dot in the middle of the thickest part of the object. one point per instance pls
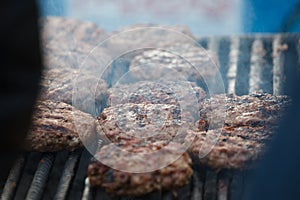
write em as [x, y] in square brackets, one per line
[266, 16]
[271, 16]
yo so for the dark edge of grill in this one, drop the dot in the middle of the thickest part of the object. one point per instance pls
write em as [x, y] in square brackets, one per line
[244, 62]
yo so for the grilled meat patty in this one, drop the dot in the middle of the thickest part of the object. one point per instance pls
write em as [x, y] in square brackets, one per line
[122, 183]
[67, 30]
[156, 123]
[58, 84]
[257, 109]
[235, 148]
[53, 127]
[164, 92]
[183, 61]
[70, 44]
[242, 125]
[132, 41]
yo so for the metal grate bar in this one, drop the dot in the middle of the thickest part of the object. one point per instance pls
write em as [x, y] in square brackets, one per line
[25, 181]
[223, 187]
[78, 184]
[40, 177]
[87, 192]
[278, 65]
[233, 62]
[214, 45]
[257, 65]
[67, 175]
[13, 179]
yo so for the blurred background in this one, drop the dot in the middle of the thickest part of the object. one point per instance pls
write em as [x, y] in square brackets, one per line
[203, 17]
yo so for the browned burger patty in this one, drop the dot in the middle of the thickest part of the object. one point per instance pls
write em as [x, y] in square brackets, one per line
[184, 61]
[236, 146]
[78, 56]
[67, 30]
[53, 127]
[133, 40]
[58, 84]
[70, 43]
[144, 122]
[253, 110]
[248, 122]
[164, 92]
[116, 182]
[67, 42]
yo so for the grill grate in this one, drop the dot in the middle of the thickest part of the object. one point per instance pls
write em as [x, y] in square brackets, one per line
[13, 179]
[40, 177]
[67, 175]
[247, 64]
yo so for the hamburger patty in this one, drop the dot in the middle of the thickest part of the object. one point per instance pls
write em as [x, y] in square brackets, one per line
[253, 110]
[143, 122]
[183, 61]
[70, 44]
[235, 147]
[53, 127]
[164, 92]
[67, 30]
[247, 123]
[58, 84]
[176, 174]
[133, 40]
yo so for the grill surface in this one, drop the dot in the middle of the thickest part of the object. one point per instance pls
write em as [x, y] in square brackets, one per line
[248, 64]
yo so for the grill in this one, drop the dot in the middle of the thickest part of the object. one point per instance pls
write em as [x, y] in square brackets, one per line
[268, 63]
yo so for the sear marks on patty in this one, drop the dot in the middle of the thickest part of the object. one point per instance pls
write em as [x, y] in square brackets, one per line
[186, 94]
[235, 148]
[144, 122]
[118, 182]
[258, 109]
[53, 128]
